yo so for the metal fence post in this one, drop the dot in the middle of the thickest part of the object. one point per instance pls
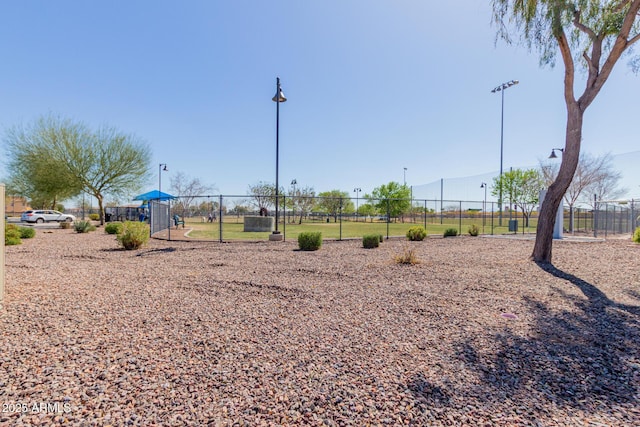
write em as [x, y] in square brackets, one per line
[388, 218]
[492, 218]
[340, 238]
[284, 218]
[460, 219]
[425, 214]
[220, 217]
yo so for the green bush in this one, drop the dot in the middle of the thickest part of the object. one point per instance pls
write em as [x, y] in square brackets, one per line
[134, 235]
[113, 228]
[416, 233]
[26, 232]
[381, 238]
[11, 235]
[636, 235]
[371, 241]
[94, 217]
[450, 232]
[473, 230]
[310, 240]
[83, 226]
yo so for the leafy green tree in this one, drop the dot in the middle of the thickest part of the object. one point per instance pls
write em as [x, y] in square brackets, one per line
[334, 202]
[33, 172]
[522, 187]
[367, 210]
[68, 158]
[303, 200]
[590, 34]
[393, 197]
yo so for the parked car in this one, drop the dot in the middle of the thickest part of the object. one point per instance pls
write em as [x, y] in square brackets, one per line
[41, 216]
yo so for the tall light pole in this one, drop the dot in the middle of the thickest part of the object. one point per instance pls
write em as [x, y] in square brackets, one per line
[484, 205]
[278, 98]
[161, 167]
[404, 176]
[502, 88]
[357, 191]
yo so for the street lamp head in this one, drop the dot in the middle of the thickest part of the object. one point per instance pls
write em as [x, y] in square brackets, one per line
[553, 153]
[279, 96]
[294, 182]
[483, 185]
[163, 167]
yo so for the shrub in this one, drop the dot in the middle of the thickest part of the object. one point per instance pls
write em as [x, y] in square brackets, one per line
[370, 241]
[310, 241]
[94, 217]
[26, 232]
[450, 232]
[417, 233]
[113, 228]
[381, 238]
[408, 256]
[473, 230]
[83, 226]
[11, 235]
[134, 235]
[65, 225]
[636, 235]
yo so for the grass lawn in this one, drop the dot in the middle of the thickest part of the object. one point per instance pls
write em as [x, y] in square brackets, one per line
[232, 229]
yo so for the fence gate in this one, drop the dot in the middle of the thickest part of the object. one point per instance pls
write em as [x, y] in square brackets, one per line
[159, 216]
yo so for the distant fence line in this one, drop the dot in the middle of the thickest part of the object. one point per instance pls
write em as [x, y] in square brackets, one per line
[227, 211]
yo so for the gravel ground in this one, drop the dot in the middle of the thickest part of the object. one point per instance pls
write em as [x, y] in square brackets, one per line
[183, 333]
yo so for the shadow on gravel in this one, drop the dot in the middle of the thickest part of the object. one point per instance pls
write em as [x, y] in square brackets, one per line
[587, 360]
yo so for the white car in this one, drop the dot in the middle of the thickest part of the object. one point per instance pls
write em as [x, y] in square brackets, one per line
[44, 215]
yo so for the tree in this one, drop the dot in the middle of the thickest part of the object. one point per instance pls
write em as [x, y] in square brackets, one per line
[522, 187]
[367, 210]
[334, 202]
[304, 200]
[264, 194]
[588, 33]
[589, 172]
[392, 198]
[33, 172]
[188, 189]
[102, 162]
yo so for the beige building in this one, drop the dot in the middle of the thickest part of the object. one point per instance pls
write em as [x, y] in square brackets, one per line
[15, 205]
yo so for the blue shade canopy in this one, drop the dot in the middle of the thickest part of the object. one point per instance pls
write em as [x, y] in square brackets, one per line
[154, 195]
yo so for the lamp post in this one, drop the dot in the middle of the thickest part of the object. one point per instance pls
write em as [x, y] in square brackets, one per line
[404, 176]
[278, 98]
[357, 191]
[293, 200]
[484, 205]
[502, 88]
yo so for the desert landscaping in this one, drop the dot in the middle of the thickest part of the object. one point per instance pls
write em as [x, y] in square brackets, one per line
[224, 334]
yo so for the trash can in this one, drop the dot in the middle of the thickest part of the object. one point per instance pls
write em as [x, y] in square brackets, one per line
[107, 217]
[513, 225]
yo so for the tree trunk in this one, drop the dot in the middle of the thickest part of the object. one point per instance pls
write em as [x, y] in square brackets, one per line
[555, 193]
[100, 208]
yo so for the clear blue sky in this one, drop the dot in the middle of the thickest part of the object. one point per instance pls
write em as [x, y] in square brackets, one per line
[372, 87]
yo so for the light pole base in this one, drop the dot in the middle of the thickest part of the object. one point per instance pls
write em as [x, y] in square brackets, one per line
[276, 236]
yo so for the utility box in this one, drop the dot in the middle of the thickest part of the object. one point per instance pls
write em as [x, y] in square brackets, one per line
[513, 225]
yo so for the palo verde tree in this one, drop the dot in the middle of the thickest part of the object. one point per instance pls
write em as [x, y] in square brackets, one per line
[102, 162]
[589, 34]
[33, 173]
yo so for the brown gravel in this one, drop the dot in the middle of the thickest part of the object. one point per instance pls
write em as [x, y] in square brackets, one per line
[183, 333]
